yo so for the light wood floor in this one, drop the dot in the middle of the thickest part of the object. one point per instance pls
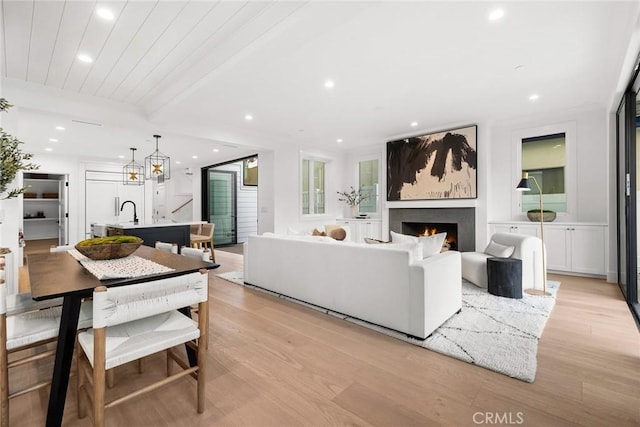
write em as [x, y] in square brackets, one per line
[275, 363]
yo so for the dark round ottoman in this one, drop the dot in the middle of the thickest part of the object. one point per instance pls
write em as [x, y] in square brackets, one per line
[504, 277]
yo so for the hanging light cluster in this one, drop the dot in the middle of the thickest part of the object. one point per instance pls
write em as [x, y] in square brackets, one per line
[157, 165]
[132, 172]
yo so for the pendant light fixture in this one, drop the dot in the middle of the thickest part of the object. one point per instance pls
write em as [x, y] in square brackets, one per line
[158, 166]
[132, 172]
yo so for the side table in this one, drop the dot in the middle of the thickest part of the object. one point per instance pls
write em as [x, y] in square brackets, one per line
[504, 277]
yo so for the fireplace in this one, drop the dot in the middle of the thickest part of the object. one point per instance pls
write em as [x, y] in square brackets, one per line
[431, 228]
[459, 223]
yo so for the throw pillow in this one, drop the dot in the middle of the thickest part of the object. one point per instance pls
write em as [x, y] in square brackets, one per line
[337, 233]
[373, 241]
[403, 238]
[315, 232]
[498, 250]
[432, 245]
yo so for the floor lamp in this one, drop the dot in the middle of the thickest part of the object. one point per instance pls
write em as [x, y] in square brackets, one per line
[525, 186]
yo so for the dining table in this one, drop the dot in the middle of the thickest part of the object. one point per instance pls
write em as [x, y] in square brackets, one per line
[59, 274]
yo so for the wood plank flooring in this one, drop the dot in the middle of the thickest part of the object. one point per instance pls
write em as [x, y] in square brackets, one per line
[274, 363]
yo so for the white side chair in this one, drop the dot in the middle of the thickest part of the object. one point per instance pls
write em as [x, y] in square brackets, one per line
[131, 322]
[526, 248]
[167, 247]
[196, 253]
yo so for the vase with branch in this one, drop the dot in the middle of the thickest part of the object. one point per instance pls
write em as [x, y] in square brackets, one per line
[352, 198]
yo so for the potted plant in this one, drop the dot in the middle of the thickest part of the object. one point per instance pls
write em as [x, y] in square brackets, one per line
[352, 198]
[12, 159]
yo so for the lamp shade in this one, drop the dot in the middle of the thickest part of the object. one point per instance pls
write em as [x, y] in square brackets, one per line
[524, 185]
[132, 172]
[157, 165]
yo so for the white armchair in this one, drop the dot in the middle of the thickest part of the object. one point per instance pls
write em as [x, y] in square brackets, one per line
[527, 248]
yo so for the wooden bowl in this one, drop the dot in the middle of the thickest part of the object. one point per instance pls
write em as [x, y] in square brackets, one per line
[108, 251]
[547, 216]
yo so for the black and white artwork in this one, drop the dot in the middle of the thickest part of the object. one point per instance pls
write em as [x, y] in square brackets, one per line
[434, 166]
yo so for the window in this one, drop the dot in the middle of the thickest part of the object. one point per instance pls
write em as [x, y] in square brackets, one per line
[368, 182]
[312, 179]
[545, 159]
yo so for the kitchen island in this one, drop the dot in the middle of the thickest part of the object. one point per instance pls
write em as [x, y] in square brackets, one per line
[170, 232]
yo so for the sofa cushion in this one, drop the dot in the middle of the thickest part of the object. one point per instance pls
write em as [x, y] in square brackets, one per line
[414, 249]
[498, 250]
[403, 238]
[432, 245]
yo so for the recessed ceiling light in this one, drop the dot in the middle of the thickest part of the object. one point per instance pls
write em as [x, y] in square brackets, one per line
[496, 14]
[329, 84]
[178, 162]
[194, 157]
[248, 117]
[414, 124]
[85, 58]
[48, 149]
[53, 140]
[339, 140]
[534, 97]
[215, 150]
[59, 127]
[105, 13]
[120, 156]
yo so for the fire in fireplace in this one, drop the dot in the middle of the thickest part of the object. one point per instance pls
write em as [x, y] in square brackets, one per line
[429, 229]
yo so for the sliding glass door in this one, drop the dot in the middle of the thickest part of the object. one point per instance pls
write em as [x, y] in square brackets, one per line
[627, 190]
[221, 206]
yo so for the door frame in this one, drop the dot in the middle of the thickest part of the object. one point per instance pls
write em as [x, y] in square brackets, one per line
[204, 190]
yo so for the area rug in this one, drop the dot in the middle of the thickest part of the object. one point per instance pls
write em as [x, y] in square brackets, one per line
[500, 334]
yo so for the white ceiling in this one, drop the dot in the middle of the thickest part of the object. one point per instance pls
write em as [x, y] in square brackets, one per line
[191, 71]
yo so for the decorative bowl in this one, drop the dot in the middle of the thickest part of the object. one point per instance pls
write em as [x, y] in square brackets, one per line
[109, 247]
[547, 216]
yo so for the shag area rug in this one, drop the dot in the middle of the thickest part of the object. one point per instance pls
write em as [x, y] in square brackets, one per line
[500, 334]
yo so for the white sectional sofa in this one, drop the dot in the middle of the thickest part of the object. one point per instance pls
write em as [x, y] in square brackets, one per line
[381, 284]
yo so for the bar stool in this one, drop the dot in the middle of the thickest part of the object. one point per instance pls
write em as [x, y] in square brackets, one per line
[204, 239]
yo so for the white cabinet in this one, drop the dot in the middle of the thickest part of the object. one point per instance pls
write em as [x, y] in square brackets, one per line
[515, 227]
[575, 248]
[361, 228]
[104, 195]
[570, 247]
[44, 208]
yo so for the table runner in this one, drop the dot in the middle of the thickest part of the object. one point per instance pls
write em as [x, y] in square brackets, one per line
[119, 268]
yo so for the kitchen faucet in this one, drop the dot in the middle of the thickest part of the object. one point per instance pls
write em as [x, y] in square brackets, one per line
[135, 215]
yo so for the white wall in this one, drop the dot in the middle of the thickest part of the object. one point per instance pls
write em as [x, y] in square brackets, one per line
[591, 167]
[380, 149]
[286, 190]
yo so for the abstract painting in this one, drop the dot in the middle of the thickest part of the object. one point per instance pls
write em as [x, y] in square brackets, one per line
[434, 166]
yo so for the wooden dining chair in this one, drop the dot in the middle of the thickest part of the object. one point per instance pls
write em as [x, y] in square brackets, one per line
[167, 247]
[202, 254]
[26, 324]
[131, 322]
[204, 239]
[61, 248]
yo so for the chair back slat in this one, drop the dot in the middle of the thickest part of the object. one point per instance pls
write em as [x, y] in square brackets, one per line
[207, 230]
[3, 297]
[124, 304]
